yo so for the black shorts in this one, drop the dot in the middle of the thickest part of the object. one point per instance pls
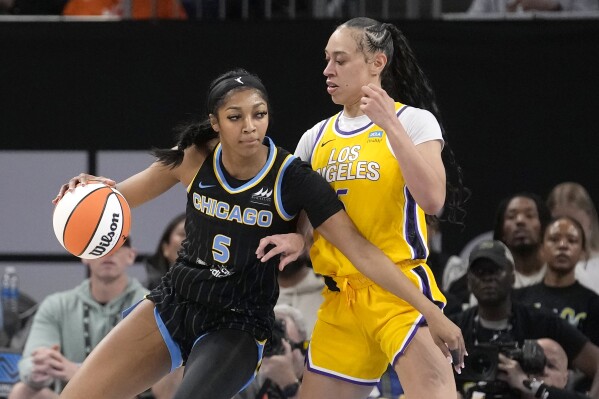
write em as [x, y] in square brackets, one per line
[186, 321]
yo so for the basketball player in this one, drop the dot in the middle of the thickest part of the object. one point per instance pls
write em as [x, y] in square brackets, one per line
[214, 309]
[384, 159]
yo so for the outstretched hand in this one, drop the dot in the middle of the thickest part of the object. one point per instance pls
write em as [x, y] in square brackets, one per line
[81, 179]
[288, 246]
[448, 337]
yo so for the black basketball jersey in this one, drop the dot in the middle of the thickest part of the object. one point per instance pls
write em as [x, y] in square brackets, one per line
[225, 221]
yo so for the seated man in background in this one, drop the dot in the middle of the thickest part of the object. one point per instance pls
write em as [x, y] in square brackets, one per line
[69, 324]
[497, 321]
[550, 384]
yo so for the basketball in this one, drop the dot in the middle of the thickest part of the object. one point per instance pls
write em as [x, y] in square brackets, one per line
[92, 220]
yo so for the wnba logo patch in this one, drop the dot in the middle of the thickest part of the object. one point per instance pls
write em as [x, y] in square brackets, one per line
[262, 196]
[375, 137]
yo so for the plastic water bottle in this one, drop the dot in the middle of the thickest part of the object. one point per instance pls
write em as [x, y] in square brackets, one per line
[10, 290]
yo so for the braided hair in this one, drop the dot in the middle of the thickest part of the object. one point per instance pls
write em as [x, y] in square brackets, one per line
[200, 133]
[404, 81]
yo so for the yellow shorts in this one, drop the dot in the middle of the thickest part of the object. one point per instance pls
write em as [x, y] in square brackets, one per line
[363, 328]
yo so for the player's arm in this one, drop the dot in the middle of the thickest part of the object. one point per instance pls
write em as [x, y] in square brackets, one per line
[421, 165]
[340, 231]
[150, 182]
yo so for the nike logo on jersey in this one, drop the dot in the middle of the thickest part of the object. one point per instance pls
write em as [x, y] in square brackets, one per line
[326, 142]
[201, 185]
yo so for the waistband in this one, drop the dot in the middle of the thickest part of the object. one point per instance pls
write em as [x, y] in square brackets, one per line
[356, 281]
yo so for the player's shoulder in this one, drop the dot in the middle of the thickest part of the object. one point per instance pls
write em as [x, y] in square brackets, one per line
[407, 112]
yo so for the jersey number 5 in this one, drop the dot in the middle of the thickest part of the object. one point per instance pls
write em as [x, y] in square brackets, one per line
[220, 248]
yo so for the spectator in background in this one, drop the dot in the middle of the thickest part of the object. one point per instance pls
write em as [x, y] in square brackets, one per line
[497, 319]
[572, 199]
[140, 9]
[503, 6]
[69, 324]
[550, 384]
[519, 223]
[166, 252]
[301, 288]
[559, 292]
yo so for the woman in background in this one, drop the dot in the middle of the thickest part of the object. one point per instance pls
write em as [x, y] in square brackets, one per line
[166, 252]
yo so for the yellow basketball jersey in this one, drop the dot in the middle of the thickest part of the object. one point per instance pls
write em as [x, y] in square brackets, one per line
[364, 172]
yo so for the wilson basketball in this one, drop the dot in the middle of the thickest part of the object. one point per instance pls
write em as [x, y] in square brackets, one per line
[92, 220]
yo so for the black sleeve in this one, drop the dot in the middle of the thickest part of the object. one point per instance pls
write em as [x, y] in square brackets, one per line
[303, 188]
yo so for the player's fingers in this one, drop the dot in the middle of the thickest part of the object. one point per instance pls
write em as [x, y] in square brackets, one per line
[287, 259]
[63, 189]
[264, 242]
[443, 346]
[81, 178]
[102, 179]
[457, 350]
[272, 253]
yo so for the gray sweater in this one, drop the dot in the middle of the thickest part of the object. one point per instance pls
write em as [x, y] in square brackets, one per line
[59, 321]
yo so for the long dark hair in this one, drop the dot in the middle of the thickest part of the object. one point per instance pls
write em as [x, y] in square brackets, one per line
[200, 133]
[157, 264]
[405, 81]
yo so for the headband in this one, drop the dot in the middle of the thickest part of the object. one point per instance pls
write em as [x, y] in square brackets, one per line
[221, 89]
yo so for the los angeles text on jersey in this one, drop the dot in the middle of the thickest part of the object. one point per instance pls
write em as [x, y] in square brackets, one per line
[344, 165]
[223, 210]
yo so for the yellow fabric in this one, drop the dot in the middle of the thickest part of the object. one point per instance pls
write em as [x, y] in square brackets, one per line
[363, 328]
[361, 167]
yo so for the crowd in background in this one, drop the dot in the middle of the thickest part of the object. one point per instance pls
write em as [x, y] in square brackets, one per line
[215, 9]
[544, 277]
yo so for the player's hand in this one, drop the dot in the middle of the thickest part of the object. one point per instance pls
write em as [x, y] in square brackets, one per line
[288, 246]
[81, 179]
[449, 339]
[378, 106]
